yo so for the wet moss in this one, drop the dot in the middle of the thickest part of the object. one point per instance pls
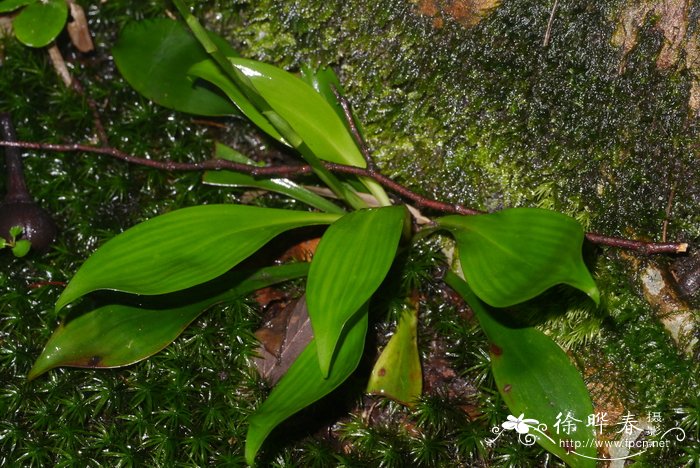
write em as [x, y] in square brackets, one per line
[486, 116]
[489, 117]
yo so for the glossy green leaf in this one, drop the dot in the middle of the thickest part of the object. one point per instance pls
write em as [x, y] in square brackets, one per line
[514, 255]
[304, 384]
[283, 186]
[154, 56]
[351, 261]
[308, 113]
[208, 70]
[118, 335]
[323, 80]
[537, 379]
[397, 373]
[232, 79]
[15, 232]
[183, 248]
[39, 23]
[12, 5]
[21, 248]
[298, 116]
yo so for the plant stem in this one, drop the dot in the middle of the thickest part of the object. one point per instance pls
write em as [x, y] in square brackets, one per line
[372, 185]
[641, 247]
[16, 186]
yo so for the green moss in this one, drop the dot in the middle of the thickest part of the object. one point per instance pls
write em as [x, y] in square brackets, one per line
[485, 116]
[654, 370]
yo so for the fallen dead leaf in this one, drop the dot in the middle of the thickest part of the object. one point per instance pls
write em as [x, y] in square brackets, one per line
[302, 251]
[282, 339]
[78, 29]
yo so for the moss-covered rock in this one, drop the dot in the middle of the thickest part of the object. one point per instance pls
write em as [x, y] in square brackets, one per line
[587, 109]
[486, 114]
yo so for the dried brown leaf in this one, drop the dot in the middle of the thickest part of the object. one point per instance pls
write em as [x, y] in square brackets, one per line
[78, 29]
[282, 340]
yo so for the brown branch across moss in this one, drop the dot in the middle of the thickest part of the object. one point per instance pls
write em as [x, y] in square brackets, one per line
[291, 171]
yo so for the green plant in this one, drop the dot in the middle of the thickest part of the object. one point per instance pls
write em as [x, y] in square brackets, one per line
[39, 21]
[19, 247]
[193, 248]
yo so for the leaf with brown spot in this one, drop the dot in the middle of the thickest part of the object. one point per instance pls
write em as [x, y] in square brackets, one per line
[397, 373]
[116, 335]
[536, 378]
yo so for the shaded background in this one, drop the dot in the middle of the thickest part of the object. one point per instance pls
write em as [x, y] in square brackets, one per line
[461, 100]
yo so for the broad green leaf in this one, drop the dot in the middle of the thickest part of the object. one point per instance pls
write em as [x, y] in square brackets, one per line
[39, 23]
[304, 384]
[21, 248]
[209, 71]
[514, 255]
[308, 113]
[283, 186]
[323, 80]
[118, 335]
[154, 56]
[397, 373]
[351, 261]
[183, 248]
[537, 379]
[12, 5]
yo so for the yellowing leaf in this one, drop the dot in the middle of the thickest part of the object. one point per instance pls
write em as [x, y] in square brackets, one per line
[397, 373]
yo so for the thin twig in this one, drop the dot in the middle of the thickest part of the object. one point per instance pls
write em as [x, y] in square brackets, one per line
[96, 119]
[642, 247]
[669, 206]
[548, 33]
[59, 65]
[72, 83]
[350, 119]
[290, 171]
